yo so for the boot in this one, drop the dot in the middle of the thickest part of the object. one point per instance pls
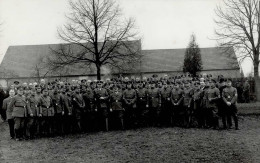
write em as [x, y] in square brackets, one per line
[16, 134]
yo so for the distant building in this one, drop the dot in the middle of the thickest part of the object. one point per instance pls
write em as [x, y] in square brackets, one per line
[23, 60]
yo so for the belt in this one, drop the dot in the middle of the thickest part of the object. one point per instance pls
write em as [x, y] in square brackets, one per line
[20, 106]
[46, 107]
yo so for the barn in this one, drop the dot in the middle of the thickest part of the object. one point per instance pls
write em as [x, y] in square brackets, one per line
[20, 63]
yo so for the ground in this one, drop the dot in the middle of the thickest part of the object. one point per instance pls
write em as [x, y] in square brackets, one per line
[141, 145]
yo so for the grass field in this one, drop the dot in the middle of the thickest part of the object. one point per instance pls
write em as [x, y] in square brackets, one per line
[141, 145]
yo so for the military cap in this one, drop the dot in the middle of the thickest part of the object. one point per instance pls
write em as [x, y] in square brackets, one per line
[229, 80]
[99, 82]
[26, 88]
[20, 87]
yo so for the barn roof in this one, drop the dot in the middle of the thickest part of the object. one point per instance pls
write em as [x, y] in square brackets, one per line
[213, 58]
[21, 59]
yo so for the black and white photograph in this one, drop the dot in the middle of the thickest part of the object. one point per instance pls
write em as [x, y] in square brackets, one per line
[136, 81]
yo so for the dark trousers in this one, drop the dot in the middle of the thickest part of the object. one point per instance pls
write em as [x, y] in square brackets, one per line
[58, 123]
[232, 113]
[19, 126]
[165, 115]
[11, 127]
[47, 125]
[29, 126]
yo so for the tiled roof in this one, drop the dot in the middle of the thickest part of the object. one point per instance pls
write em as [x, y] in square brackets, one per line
[22, 59]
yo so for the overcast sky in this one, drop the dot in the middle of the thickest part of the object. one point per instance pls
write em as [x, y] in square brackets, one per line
[163, 24]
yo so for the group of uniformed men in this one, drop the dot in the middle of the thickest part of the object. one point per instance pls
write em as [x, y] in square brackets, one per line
[58, 108]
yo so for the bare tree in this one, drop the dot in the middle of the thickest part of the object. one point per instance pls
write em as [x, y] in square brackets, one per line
[97, 35]
[239, 27]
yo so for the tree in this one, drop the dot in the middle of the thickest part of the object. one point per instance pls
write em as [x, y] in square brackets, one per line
[238, 24]
[97, 36]
[192, 60]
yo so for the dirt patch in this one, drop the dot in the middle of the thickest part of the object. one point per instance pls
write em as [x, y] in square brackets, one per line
[141, 145]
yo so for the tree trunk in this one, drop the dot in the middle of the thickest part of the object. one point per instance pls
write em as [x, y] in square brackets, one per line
[98, 72]
[257, 81]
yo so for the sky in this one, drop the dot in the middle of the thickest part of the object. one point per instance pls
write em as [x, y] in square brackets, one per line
[162, 24]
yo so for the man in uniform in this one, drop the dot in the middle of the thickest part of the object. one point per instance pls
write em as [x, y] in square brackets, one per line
[89, 99]
[129, 97]
[31, 127]
[154, 104]
[213, 96]
[101, 96]
[229, 96]
[187, 103]
[9, 111]
[142, 110]
[166, 104]
[46, 112]
[20, 110]
[221, 105]
[197, 103]
[116, 102]
[59, 111]
[68, 112]
[78, 107]
[176, 100]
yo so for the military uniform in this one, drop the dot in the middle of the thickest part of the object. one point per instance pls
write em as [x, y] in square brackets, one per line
[31, 124]
[154, 103]
[101, 96]
[58, 112]
[68, 111]
[78, 108]
[176, 100]
[116, 102]
[213, 96]
[20, 112]
[129, 97]
[229, 94]
[187, 105]
[9, 116]
[166, 105]
[142, 111]
[47, 112]
[89, 99]
[197, 103]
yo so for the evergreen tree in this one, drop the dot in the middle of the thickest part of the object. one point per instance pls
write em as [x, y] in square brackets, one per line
[192, 59]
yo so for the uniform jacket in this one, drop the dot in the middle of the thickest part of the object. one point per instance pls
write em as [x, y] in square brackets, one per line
[166, 95]
[68, 107]
[141, 95]
[187, 96]
[230, 95]
[78, 103]
[34, 105]
[129, 97]
[176, 96]
[58, 103]
[89, 99]
[116, 100]
[9, 110]
[101, 92]
[20, 106]
[214, 95]
[46, 106]
[154, 97]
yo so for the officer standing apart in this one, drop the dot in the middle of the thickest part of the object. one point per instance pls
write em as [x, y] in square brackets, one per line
[229, 96]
